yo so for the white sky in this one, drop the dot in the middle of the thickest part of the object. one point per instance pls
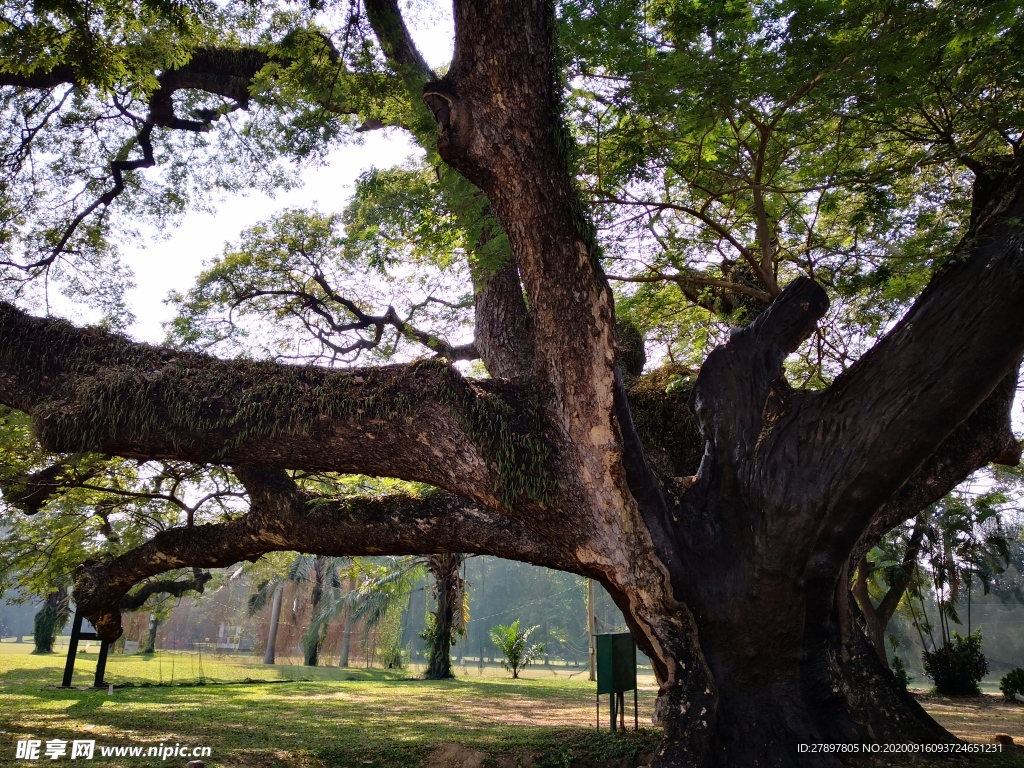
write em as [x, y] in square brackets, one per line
[173, 263]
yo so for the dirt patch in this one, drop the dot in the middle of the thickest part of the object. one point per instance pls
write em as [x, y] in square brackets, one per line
[977, 718]
[458, 756]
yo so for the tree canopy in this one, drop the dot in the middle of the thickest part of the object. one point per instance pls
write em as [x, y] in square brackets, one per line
[696, 299]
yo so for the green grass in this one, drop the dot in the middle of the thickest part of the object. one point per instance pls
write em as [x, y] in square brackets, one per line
[304, 717]
[349, 718]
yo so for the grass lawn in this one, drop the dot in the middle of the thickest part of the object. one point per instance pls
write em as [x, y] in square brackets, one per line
[353, 718]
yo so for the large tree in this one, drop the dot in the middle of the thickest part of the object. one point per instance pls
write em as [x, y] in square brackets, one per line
[722, 512]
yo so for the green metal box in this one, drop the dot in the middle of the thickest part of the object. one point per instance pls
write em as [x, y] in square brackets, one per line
[616, 663]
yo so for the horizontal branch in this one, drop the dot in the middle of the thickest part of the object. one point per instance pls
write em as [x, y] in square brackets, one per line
[60, 75]
[30, 492]
[88, 390]
[173, 587]
[685, 279]
[282, 517]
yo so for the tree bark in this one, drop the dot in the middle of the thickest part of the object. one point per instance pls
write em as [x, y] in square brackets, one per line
[346, 630]
[149, 641]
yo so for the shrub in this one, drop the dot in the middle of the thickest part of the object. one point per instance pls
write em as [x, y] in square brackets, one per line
[512, 642]
[958, 666]
[1012, 683]
[393, 656]
[899, 670]
[46, 626]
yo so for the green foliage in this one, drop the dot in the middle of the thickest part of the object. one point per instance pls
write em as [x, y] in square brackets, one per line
[507, 436]
[431, 637]
[98, 507]
[740, 144]
[899, 671]
[513, 643]
[1012, 684]
[46, 626]
[393, 655]
[957, 666]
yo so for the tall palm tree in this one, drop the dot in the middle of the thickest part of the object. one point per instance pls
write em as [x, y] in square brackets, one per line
[324, 574]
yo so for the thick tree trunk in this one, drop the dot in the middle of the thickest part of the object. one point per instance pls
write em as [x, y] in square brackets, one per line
[760, 540]
[734, 580]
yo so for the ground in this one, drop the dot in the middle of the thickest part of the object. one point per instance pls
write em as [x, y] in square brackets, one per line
[303, 717]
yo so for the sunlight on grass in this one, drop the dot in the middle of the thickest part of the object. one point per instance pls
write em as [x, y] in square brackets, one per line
[324, 717]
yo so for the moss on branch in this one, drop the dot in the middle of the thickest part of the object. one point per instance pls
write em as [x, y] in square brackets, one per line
[87, 389]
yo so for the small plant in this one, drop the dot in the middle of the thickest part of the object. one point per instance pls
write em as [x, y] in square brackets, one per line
[958, 666]
[1012, 683]
[513, 644]
[899, 670]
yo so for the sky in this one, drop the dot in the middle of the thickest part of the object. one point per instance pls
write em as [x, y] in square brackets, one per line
[172, 264]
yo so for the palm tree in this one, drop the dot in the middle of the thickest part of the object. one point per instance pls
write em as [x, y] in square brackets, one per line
[381, 586]
[449, 619]
[324, 574]
[385, 585]
[514, 647]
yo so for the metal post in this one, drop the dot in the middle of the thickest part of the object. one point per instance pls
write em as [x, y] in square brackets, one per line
[101, 665]
[69, 666]
[590, 629]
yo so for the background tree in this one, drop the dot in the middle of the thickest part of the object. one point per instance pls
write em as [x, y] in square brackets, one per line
[843, 186]
[50, 620]
[966, 537]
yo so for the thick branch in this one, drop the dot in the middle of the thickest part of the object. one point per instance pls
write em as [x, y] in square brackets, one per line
[499, 121]
[172, 587]
[695, 279]
[93, 391]
[284, 518]
[221, 71]
[737, 379]
[388, 24]
[984, 437]
[882, 420]
[503, 328]
[61, 75]
[31, 492]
